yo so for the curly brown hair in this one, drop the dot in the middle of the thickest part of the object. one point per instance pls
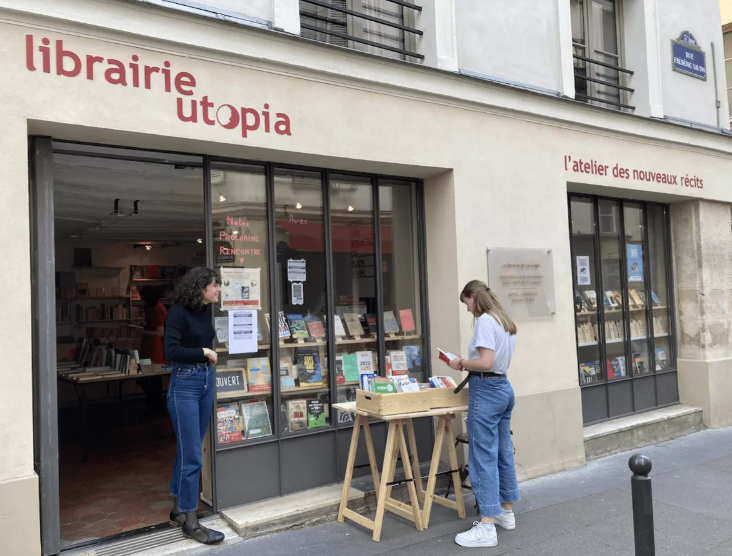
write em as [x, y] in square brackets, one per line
[189, 291]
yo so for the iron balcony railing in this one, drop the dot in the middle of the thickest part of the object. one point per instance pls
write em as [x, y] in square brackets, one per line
[379, 24]
[581, 74]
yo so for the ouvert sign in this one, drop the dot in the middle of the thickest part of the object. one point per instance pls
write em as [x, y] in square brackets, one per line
[523, 281]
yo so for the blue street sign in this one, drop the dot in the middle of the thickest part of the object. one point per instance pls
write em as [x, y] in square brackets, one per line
[688, 58]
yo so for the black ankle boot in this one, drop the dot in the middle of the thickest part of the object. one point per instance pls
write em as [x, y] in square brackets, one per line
[176, 518]
[194, 530]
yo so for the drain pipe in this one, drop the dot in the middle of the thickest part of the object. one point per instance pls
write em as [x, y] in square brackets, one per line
[716, 88]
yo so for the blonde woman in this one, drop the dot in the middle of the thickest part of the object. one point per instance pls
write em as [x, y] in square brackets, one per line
[492, 471]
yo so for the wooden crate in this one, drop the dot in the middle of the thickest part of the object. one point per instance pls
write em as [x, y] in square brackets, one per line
[446, 397]
[392, 404]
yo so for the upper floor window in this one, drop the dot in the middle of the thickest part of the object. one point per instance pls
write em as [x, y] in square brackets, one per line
[383, 27]
[599, 76]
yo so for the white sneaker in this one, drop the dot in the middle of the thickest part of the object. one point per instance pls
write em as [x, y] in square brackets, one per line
[482, 534]
[506, 520]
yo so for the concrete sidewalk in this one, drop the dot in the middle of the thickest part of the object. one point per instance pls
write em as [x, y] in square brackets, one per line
[581, 511]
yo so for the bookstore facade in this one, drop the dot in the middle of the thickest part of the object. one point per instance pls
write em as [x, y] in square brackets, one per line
[344, 221]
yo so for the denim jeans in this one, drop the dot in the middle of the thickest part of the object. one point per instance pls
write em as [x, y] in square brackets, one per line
[492, 471]
[190, 402]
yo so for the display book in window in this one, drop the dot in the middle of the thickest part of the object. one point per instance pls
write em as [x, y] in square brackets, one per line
[315, 327]
[283, 328]
[229, 423]
[298, 328]
[353, 324]
[259, 375]
[661, 359]
[590, 371]
[616, 367]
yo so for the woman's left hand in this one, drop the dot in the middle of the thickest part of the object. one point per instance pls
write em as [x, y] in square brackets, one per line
[456, 364]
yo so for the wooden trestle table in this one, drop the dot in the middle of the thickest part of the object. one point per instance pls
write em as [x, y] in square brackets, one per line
[396, 444]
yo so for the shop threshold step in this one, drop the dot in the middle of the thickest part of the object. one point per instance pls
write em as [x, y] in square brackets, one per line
[642, 429]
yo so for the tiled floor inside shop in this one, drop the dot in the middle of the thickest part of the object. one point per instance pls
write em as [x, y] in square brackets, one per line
[125, 484]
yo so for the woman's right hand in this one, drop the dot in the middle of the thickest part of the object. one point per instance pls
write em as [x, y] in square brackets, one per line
[211, 354]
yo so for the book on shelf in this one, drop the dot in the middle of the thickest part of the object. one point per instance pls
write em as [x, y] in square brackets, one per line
[297, 326]
[82, 290]
[297, 419]
[398, 363]
[316, 414]
[639, 364]
[259, 376]
[283, 328]
[340, 374]
[618, 297]
[391, 326]
[661, 360]
[414, 357]
[407, 320]
[136, 272]
[591, 298]
[656, 300]
[365, 362]
[346, 395]
[353, 324]
[350, 367]
[610, 301]
[372, 324]
[286, 366]
[338, 326]
[309, 370]
[580, 305]
[387, 365]
[638, 301]
[315, 327]
[588, 371]
[256, 419]
[229, 424]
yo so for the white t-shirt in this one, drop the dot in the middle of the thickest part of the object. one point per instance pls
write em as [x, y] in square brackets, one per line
[490, 334]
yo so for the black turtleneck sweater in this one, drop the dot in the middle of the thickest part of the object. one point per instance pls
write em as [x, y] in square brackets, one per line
[186, 334]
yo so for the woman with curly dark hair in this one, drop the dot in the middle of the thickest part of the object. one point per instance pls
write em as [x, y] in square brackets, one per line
[188, 338]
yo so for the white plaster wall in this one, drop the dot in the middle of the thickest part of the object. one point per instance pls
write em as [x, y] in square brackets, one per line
[512, 40]
[686, 97]
[261, 9]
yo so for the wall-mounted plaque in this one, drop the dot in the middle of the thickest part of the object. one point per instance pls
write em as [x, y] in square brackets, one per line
[523, 280]
[688, 57]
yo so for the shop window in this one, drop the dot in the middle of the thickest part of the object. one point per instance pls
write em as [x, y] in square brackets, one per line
[622, 299]
[245, 406]
[598, 68]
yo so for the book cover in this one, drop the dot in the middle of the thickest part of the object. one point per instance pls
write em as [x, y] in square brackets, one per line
[656, 300]
[391, 326]
[259, 377]
[350, 367]
[315, 327]
[297, 326]
[610, 301]
[136, 273]
[256, 419]
[387, 365]
[229, 424]
[365, 381]
[365, 362]
[580, 305]
[635, 262]
[610, 372]
[591, 298]
[284, 330]
[399, 365]
[316, 414]
[619, 298]
[340, 375]
[661, 360]
[353, 324]
[406, 384]
[382, 385]
[309, 371]
[436, 382]
[338, 326]
[297, 419]
[414, 357]
[346, 395]
[635, 296]
[152, 272]
[622, 370]
[407, 320]
[642, 297]
[371, 322]
[286, 366]
[82, 290]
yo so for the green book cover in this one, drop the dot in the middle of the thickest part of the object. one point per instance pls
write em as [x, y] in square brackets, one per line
[384, 388]
[350, 367]
[316, 414]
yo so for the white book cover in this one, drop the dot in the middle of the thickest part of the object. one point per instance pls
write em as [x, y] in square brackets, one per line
[365, 362]
[398, 363]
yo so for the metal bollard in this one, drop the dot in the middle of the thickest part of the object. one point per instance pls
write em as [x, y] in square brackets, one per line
[645, 543]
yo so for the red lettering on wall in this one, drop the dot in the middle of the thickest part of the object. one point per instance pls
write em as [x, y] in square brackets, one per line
[593, 167]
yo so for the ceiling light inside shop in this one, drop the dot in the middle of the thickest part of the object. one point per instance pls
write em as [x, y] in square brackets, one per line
[221, 198]
[199, 240]
[350, 208]
[148, 247]
[298, 206]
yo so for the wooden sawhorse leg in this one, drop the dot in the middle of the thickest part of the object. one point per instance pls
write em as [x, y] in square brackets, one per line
[444, 430]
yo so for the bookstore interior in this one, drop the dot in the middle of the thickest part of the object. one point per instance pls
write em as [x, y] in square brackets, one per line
[322, 293]
[624, 320]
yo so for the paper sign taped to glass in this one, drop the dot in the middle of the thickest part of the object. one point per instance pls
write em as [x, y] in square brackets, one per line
[240, 288]
[523, 281]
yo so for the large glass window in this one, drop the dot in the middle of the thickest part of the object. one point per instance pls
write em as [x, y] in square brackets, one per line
[622, 304]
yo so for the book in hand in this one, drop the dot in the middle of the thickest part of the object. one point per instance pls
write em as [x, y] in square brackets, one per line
[256, 419]
[446, 356]
[297, 415]
[297, 326]
[229, 424]
[391, 326]
[353, 323]
[405, 316]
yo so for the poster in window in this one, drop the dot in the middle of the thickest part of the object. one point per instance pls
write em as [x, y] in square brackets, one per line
[583, 270]
[240, 288]
[635, 263]
[296, 271]
[297, 293]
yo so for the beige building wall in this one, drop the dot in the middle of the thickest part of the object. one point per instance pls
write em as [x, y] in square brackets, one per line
[497, 166]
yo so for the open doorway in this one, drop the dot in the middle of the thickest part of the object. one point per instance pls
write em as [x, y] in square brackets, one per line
[128, 225]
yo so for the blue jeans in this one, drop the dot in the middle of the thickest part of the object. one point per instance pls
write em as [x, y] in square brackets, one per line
[492, 471]
[190, 401]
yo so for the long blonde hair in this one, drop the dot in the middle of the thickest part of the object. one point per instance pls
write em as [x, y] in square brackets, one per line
[486, 302]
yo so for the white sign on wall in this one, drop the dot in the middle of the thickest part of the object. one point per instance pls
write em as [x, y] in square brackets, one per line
[523, 281]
